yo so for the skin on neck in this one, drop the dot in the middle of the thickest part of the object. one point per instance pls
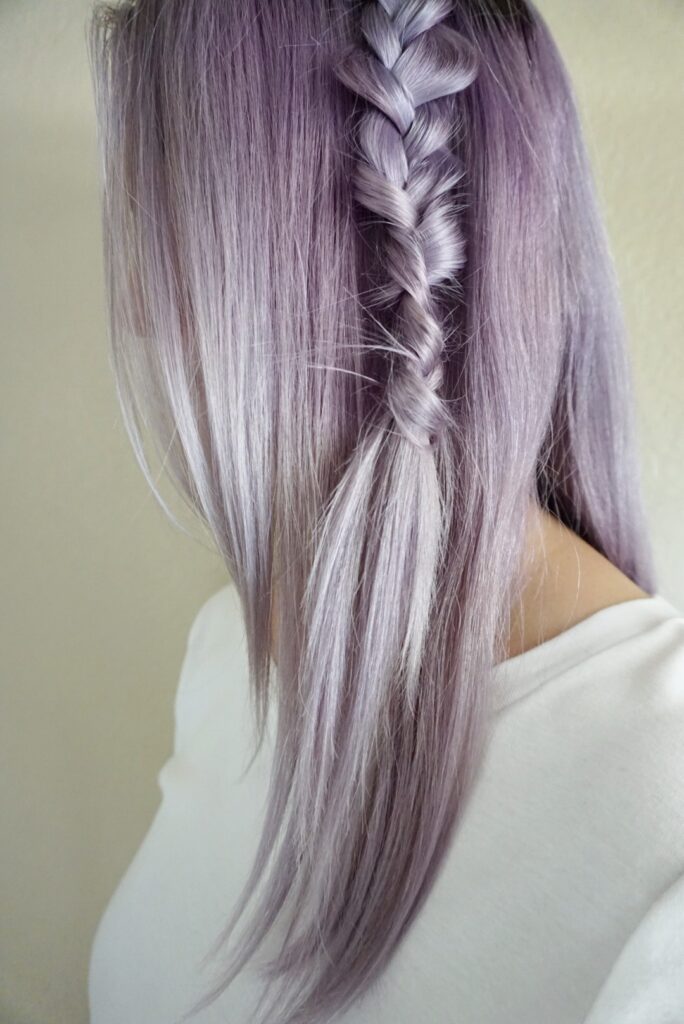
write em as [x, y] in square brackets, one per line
[565, 580]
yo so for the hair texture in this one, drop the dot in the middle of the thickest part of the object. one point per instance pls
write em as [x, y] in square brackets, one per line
[361, 302]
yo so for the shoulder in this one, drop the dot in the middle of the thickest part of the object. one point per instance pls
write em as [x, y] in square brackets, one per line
[645, 667]
[597, 728]
[629, 680]
[215, 643]
[596, 714]
[620, 711]
[217, 618]
[213, 729]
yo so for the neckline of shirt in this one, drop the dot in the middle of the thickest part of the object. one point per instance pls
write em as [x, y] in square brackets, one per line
[517, 676]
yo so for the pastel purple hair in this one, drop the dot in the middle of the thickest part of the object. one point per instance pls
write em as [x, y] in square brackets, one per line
[362, 304]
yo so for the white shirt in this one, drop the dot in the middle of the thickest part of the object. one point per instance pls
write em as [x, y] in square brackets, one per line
[561, 899]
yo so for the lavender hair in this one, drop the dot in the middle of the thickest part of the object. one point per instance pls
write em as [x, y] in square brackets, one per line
[362, 304]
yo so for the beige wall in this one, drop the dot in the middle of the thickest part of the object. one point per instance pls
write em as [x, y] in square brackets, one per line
[98, 590]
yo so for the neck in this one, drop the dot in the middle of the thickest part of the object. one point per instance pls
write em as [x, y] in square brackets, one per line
[564, 580]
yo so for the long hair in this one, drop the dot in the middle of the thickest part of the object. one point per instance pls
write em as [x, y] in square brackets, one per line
[362, 303]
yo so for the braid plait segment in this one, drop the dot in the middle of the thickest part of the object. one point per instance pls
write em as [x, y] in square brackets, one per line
[403, 177]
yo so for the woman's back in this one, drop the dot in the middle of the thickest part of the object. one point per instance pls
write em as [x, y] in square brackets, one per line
[561, 900]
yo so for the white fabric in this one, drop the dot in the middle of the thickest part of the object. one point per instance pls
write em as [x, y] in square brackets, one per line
[562, 897]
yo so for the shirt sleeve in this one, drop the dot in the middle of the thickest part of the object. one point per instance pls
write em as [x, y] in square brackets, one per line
[646, 982]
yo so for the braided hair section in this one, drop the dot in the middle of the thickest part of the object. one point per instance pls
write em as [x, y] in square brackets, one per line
[403, 176]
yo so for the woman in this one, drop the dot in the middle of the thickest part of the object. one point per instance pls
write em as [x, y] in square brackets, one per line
[361, 302]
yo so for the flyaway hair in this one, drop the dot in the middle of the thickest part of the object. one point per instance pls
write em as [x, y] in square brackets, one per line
[362, 306]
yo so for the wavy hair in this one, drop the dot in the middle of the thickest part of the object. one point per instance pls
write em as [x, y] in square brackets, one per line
[362, 305]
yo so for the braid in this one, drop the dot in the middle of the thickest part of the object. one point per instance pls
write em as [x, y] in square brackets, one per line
[403, 176]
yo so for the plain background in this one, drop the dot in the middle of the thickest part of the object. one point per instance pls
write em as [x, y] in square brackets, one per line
[98, 590]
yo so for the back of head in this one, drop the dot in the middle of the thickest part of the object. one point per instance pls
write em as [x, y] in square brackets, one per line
[361, 299]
